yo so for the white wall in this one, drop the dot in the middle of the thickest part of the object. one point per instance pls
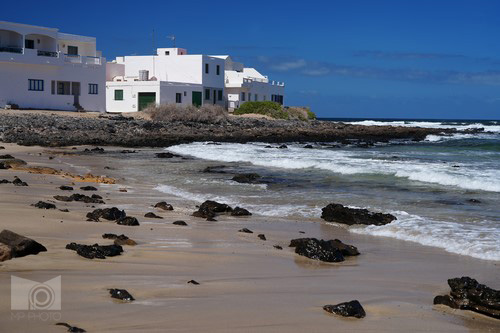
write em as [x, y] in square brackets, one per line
[14, 86]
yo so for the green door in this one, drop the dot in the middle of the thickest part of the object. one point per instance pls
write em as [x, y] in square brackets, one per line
[197, 98]
[145, 99]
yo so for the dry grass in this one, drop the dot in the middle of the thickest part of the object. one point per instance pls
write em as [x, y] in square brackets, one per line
[187, 113]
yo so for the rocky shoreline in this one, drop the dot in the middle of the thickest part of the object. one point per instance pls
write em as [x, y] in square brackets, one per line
[52, 130]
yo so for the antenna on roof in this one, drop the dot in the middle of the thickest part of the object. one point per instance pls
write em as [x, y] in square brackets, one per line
[172, 38]
[154, 46]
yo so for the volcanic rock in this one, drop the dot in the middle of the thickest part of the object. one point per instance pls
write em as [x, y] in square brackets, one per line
[238, 211]
[329, 251]
[152, 215]
[340, 214]
[19, 182]
[163, 205]
[96, 250]
[209, 209]
[44, 205]
[72, 328]
[20, 246]
[166, 155]
[121, 294]
[246, 178]
[214, 169]
[180, 223]
[110, 214]
[120, 239]
[467, 294]
[262, 237]
[246, 231]
[347, 309]
[128, 220]
[88, 188]
[66, 188]
[193, 282]
[80, 197]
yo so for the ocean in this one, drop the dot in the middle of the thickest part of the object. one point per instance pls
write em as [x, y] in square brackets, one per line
[444, 191]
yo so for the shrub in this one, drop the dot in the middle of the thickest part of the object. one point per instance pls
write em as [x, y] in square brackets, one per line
[189, 113]
[267, 108]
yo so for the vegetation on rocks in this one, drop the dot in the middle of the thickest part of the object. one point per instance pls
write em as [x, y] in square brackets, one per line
[276, 111]
[188, 113]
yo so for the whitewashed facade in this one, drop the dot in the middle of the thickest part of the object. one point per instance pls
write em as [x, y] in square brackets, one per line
[42, 68]
[247, 84]
[170, 76]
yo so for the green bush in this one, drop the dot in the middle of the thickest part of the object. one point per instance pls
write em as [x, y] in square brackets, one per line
[267, 108]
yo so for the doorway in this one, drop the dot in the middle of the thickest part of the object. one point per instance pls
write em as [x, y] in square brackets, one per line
[145, 99]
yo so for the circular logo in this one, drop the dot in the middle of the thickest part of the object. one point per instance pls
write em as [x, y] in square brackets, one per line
[41, 297]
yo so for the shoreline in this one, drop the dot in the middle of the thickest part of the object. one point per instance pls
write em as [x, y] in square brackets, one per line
[246, 284]
[53, 129]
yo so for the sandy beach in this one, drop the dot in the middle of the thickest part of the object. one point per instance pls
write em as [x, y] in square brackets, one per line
[246, 285]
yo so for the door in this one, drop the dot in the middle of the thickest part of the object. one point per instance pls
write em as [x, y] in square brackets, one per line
[215, 96]
[145, 99]
[197, 98]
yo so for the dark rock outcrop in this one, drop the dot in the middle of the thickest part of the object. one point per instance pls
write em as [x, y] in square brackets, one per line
[238, 211]
[166, 155]
[5, 181]
[341, 214]
[88, 188]
[152, 215]
[209, 209]
[121, 294]
[120, 239]
[277, 247]
[163, 205]
[347, 309]
[95, 251]
[262, 237]
[110, 214]
[18, 182]
[128, 220]
[180, 223]
[246, 231]
[468, 294]
[44, 205]
[70, 328]
[246, 178]
[329, 251]
[193, 282]
[20, 246]
[66, 188]
[80, 197]
[6, 157]
[214, 169]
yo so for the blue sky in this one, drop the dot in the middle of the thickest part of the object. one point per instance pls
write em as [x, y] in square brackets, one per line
[356, 58]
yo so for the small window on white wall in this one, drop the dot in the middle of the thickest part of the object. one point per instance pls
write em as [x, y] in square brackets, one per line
[178, 98]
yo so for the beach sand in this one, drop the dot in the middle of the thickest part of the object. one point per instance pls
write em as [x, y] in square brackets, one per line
[246, 285]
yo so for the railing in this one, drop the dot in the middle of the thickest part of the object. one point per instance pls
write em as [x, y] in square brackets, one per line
[77, 59]
[11, 49]
[47, 54]
[92, 60]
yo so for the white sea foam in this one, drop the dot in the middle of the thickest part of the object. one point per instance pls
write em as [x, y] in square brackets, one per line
[429, 124]
[478, 240]
[469, 176]
[259, 209]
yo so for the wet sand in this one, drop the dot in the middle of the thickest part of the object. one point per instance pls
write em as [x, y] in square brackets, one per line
[246, 285]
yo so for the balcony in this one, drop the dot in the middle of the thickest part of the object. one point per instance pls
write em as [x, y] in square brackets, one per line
[78, 59]
[10, 49]
[47, 54]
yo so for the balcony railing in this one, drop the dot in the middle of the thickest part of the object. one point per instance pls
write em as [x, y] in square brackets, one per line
[77, 59]
[47, 54]
[11, 49]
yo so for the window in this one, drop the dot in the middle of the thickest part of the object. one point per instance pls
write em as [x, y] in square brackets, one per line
[29, 44]
[264, 98]
[256, 97]
[218, 69]
[185, 93]
[93, 89]
[72, 50]
[118, 95]
[250, 97]
[206, 68]
[178, 98]
[207, 94]
[53, 87]
[63, 87]
[219, 97]
[167, 52]
[242, 96]
[35, 85]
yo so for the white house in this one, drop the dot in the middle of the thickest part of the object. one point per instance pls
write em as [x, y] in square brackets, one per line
[170, 76]
[42, 68]
[247, 84]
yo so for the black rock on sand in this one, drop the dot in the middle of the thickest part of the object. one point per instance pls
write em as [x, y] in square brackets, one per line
[341, 214]
[13, 245]
[329, 251]
[95, 251]
[347, 309]
[468, 294]
[121, 294]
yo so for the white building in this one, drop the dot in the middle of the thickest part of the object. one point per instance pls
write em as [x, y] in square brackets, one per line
[247, 84]
[42, 68]
[170, 76]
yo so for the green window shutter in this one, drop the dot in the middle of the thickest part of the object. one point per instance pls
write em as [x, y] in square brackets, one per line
[119, 95]
[207, 93]
[220, 95]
